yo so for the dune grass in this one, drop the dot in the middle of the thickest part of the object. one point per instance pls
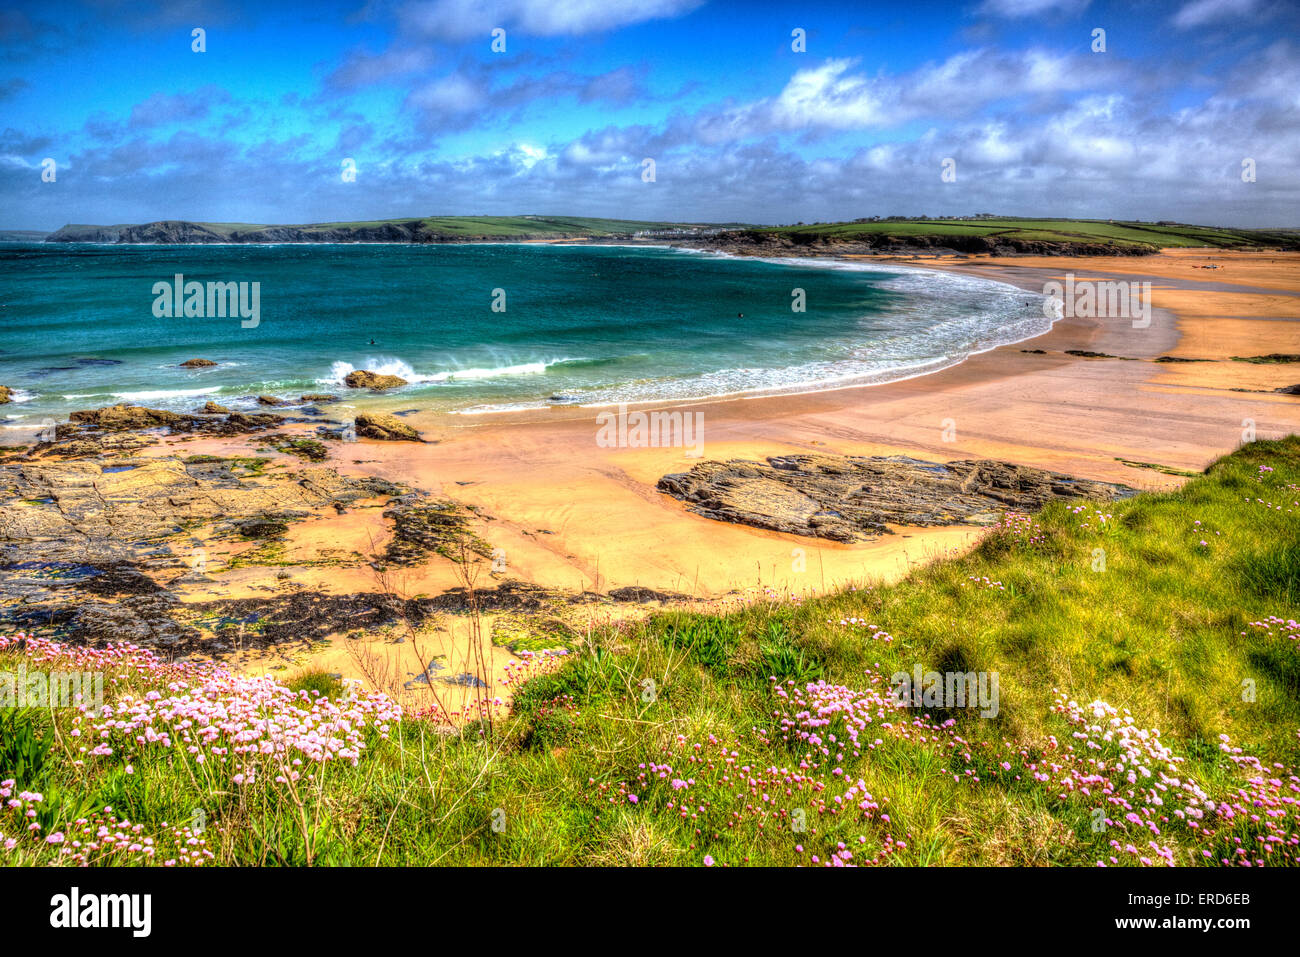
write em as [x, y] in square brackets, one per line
[769, 734]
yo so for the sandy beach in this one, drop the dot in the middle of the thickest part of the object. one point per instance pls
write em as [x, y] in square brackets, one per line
[560, 511]
[571, 514]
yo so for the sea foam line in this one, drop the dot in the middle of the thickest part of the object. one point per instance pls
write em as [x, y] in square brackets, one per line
[399, 367]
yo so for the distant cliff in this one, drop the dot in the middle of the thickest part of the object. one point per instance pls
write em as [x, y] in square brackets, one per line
[182, 231]
[22, 235]
[386, 231]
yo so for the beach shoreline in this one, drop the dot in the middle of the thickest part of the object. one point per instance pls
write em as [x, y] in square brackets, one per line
[606, 525]
[559, 510]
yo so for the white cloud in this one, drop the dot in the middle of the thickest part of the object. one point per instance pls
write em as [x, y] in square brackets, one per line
[526, 156]
[1200, 12]
[362, 68]
[461, 19]
[1030, 8]
[1096, 134]
[829, 97]
[973, 78]
[450, 95]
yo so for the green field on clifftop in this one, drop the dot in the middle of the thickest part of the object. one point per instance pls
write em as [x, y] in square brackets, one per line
[1128, 235]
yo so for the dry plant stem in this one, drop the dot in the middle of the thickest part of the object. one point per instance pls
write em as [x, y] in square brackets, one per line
[395, 593]
[482, 672]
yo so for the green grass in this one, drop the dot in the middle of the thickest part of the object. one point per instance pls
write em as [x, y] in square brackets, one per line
[317, 682]
[1130, 236]
[1131, 609]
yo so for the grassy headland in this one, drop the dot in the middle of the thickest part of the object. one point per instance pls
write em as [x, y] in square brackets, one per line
[1016, 234]
[1148, 662]
[981, 234]
[429, 229]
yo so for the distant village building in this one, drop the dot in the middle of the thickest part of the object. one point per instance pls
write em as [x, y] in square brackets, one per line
[677, 233]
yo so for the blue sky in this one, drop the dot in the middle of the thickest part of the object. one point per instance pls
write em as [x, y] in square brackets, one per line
[741, 126]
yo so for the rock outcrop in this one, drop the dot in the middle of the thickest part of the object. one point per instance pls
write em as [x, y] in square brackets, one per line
[444, 527]
[122, 429]
[6, 394]
[241, 422]
[123, 417]
[851, 498]
[375, 381]
[115, 418]
[67, 509]
[197, 363]
[385, 428]
[90, 547]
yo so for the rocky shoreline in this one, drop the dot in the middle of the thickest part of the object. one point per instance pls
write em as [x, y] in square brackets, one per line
[767, 244]
[108, 532]
[98, 542]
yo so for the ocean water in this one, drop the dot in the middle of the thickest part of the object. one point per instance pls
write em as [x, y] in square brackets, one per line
[586, 325]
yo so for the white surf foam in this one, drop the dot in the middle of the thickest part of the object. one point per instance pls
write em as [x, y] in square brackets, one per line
[387, 366]
[155, 394]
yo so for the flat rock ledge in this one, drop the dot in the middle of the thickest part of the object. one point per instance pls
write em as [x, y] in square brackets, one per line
[854, 498]
[99, 551]
[123, 429]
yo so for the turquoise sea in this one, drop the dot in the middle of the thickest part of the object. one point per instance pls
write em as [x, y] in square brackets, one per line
[586, 325]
